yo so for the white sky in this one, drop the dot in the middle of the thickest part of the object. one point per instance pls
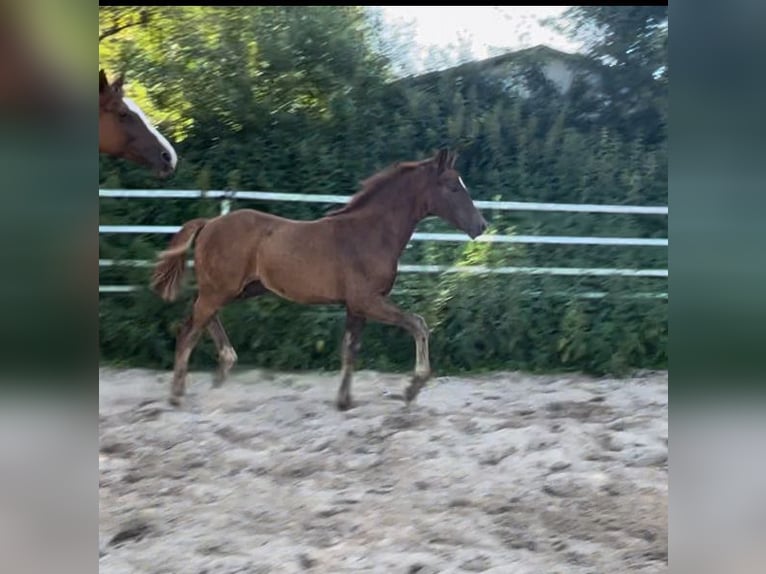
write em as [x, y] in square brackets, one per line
[512, 27]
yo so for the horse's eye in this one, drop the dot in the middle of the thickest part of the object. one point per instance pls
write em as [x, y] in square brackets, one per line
[123, 114]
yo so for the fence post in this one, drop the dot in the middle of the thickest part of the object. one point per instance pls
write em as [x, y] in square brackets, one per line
[225, 206]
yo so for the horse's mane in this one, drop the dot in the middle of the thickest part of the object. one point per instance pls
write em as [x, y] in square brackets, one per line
[372, 187]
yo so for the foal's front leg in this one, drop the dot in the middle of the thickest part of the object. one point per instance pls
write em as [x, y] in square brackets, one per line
[382, 310]
[352, 342]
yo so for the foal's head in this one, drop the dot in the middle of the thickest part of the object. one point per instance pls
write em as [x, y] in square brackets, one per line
[124, 130]
[448, 198]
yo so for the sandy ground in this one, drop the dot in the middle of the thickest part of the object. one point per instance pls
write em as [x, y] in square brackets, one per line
[502, 473]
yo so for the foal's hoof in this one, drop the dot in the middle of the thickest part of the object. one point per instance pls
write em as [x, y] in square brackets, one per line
[343, 403]
[175, 400]
[410, 393]
[219, 378]
[417, 382]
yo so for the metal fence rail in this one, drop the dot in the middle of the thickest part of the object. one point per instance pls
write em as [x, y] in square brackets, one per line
[454, 237]
[584, 295]
[227, 196]
[318, 198]
[472, 269]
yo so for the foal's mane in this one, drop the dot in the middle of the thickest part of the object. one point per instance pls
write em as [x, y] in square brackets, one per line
[379, 184]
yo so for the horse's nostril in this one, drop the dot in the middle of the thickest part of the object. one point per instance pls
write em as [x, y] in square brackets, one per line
[165, 156]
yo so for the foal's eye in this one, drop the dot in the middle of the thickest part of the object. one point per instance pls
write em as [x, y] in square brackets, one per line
[123, 114]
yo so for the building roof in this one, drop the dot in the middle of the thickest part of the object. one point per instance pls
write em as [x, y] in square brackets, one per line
[535, 54]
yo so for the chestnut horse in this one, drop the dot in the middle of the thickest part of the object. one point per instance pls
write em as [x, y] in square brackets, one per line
[348, 257]
[125, 132]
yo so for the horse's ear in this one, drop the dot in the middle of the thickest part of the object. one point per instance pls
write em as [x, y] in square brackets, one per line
[117, 84]
[103, 83]
[441, 159]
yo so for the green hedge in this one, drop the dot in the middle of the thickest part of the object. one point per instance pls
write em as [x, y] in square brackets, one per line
[478, 322]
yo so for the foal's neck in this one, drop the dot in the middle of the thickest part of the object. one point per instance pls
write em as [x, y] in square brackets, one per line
[391, 218]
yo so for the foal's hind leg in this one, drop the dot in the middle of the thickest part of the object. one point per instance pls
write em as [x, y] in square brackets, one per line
[227, 356]
[352, 342]
[382, 310]
[187, 339]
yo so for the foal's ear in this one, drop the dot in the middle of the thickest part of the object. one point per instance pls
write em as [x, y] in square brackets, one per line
[452, 159]
[442, 160]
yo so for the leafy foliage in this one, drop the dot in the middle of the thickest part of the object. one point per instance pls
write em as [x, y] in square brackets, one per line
[300, 100]
[633, 42]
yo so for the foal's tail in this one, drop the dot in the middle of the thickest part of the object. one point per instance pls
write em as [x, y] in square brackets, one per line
[169, 270]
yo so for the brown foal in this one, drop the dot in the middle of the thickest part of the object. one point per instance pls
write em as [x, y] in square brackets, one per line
[348, 257]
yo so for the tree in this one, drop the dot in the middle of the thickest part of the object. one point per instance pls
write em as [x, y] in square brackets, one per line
[632, 42]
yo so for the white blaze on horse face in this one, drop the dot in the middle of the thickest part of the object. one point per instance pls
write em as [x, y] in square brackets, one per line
[460, 179]
[160, 138]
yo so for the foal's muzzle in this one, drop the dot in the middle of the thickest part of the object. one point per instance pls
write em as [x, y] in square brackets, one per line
[478, 228]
